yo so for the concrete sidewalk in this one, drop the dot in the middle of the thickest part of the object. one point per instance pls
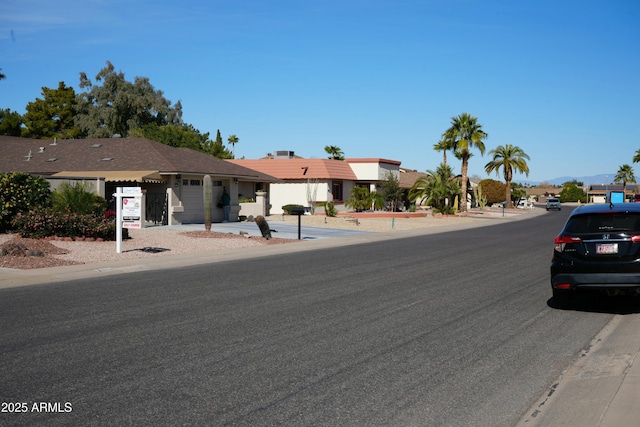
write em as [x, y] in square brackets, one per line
[602, 388]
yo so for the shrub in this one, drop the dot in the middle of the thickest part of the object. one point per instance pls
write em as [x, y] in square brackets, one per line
[330, 210]
[359, 200]
[46, 222]
[289, 208]
[77, 198]
[20, 193]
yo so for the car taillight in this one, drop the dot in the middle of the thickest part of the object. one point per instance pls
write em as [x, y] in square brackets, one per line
[636, 238]
[561, 241]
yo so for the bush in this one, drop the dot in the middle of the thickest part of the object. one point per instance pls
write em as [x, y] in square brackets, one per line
[289, 208]
[46, 222]
[20, 193]
[330, 210]
[493, 190]
[76, 198]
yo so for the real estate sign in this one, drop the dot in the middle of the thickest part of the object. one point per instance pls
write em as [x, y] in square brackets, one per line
[132, 208]
[128, 211]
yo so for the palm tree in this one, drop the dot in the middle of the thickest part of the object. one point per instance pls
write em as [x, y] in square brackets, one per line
[444, 145]
[636, 157]
[436, 188]
[465, 133]
[624, 175]
[509, 158]
[233, 140]
[335, 153]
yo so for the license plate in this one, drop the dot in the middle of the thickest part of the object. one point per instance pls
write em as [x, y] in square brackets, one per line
[607, 248]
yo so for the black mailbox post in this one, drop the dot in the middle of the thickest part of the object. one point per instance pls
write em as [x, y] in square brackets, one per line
[299, 212]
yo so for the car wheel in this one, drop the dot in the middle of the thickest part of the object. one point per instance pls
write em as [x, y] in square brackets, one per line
[562, 298]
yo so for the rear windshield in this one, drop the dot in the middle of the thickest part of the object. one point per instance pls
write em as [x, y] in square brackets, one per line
[603, 222]
[553, 200]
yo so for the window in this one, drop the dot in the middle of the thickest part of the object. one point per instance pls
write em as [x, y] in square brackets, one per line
[194, 182]
[336, 190]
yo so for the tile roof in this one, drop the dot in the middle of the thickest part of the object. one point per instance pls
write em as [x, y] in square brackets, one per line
[47, 157]
[300, 169]
[409, 177]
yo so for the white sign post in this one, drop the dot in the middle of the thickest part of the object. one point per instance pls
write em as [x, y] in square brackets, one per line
[128, 211]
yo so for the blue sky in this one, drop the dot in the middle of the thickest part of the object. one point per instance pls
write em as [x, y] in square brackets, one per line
[377, 78]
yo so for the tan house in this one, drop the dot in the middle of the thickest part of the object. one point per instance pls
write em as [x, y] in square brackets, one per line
[308, 182]
[170, 178]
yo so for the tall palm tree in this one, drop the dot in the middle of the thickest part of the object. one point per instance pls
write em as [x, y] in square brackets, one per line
[509, 158]
[624, 175]
[436, 188]
[335, 153]
[636, 157]
[444, 145]
[233, 140]
[465, 133]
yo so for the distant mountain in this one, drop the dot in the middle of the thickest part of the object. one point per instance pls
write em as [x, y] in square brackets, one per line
[586, 180]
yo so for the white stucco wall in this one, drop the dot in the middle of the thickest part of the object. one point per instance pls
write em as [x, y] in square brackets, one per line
[374, 171]
[294, 193]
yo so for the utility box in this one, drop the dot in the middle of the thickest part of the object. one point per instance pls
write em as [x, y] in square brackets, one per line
[615, 196]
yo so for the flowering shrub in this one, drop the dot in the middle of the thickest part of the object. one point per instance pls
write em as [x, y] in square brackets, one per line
[46, 222]
[20, 192]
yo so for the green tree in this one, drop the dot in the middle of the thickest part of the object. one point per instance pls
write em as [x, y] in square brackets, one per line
[391, 190]
[216, 148]
[636, 157]
[116, 105]
[233, 140]
[52, 116]
[335, 153]
[185, 136]
[493, 190]
[438, 188]
[572, 193]
[624, 175]
[10, 123]
[464, 134]
[508, 158]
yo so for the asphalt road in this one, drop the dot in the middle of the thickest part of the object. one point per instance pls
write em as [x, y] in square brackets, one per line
[451, 329]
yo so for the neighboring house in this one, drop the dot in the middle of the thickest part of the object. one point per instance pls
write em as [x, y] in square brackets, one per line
[408, 178]
[307, 182]
[598, 193]
[170, 178]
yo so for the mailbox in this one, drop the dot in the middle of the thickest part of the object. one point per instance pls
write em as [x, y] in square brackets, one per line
[299, 212]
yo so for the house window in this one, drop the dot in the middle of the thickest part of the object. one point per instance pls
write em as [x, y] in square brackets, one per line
[194, 182]
[336, 189]
[185, 182]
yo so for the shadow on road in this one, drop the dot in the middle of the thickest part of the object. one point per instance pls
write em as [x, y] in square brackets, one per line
[600, 302]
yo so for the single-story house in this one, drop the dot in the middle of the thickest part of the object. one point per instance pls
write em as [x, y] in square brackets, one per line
[308, 182]
[598, 193]
[171, 179]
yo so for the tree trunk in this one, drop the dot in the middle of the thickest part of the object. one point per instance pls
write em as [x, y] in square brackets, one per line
[463, 197]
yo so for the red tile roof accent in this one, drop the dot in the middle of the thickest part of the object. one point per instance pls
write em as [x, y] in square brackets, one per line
[300, 169]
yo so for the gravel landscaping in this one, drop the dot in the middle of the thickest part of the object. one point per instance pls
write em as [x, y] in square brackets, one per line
[159, 241]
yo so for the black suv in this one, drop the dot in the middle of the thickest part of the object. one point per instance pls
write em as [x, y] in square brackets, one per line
[598, 248]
